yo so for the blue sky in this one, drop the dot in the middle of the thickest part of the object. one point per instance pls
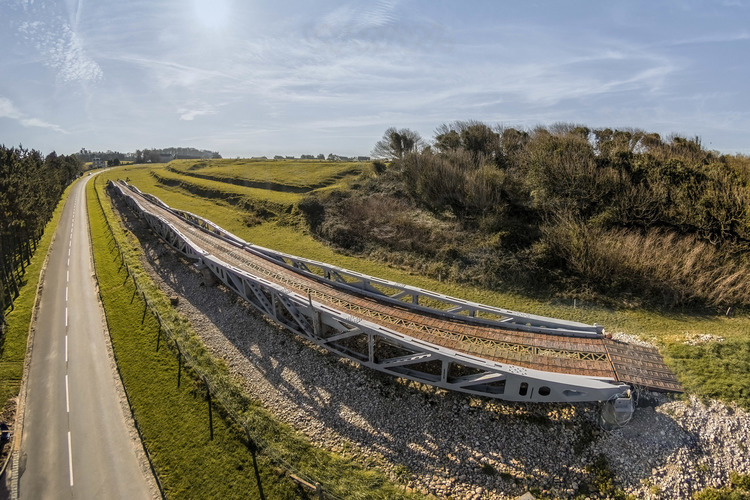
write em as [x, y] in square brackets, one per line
[249, 78]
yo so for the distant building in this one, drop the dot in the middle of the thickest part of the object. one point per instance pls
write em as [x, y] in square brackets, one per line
[98, 163]
[363, 158]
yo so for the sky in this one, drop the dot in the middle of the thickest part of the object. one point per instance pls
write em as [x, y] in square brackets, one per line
[291, 77]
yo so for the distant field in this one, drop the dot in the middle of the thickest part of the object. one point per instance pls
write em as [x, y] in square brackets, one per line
[227, 192]
[263, 189]
[278, 175]
[708, 369]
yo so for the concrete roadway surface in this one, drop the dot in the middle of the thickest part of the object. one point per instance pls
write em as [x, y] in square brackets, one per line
[76, 441]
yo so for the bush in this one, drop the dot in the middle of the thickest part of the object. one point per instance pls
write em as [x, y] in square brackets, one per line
[660, 265]
[313, 211]
[379, 166]
[622, 213]
[740, 481]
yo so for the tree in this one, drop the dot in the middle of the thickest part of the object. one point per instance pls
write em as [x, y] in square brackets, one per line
[480, 141]
[474, 137]
[396, 143]
[30, 187]
[447, 140]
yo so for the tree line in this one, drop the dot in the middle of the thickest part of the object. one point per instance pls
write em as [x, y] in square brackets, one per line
[30, 188]
[155, 155]
[567, 207]
[623, 178]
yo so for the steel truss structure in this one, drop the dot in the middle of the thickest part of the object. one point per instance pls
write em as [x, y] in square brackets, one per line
[364, 335]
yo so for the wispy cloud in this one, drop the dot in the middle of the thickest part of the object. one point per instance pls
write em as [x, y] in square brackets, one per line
[61, 49]
[739, 36]
[189, 113]
[369, 26]
[173, 74]
[350, 21]
[9, 110]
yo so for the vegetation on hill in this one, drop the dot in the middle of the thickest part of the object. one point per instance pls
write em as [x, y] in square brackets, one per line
[620, 215]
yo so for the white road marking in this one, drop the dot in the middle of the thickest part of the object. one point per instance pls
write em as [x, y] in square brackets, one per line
[66, 293]
[67, 395]
[70, 459]
[67, 277]
[66, 360]
[68, 251]
[66, 316]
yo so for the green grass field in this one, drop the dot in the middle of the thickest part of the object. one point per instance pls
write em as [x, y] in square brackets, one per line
[303, 174]
[174, 420]
[229, 193]
[711, 370]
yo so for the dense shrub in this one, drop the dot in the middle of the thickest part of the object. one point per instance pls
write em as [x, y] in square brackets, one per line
[658, 264]
[313, 211]
[360, 222]
[624, 213]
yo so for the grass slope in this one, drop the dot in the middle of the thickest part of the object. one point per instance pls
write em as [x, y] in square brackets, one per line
[303, 174]
[174, 421]
[711, 370]
[226, 192]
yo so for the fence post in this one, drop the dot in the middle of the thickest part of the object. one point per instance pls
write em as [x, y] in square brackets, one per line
[253, 448]
[179, 366]
[210, 412]
[145, 307]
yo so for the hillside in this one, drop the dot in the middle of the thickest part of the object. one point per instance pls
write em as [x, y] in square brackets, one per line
[621, 217]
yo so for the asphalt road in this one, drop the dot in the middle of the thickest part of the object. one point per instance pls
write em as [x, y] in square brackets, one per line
[75, 442]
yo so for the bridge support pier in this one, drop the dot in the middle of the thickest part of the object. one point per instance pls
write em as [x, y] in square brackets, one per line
[209, 278]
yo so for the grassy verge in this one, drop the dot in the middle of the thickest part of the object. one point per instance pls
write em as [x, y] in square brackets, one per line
[13, 345]
[174, 420]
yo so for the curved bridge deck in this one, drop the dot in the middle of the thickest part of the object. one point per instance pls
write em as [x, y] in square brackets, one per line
[411, 332]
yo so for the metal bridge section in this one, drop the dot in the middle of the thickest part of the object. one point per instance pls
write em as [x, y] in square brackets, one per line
[409, 332]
